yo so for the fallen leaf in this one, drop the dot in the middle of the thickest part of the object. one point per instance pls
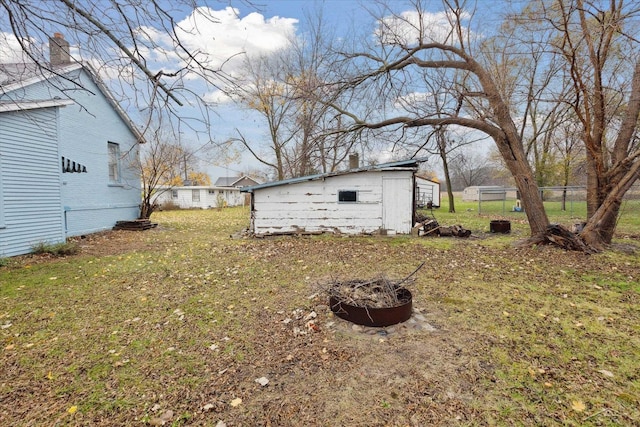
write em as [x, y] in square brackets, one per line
[506, 314]
[606, 373]
[236, 402]
[263, 381]
[72, 410]
[162, 419]
[50, 375]
[578, 405]
[221, 424]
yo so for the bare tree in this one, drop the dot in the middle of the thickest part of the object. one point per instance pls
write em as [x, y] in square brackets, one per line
[601, 49]
[468, 168]
[288, 89]
[163, 164]
[606, 91]
[141, 48]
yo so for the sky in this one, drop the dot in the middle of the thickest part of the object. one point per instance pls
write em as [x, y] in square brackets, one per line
[252, 27]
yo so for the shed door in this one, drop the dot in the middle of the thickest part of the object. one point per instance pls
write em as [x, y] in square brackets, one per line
[397, 204]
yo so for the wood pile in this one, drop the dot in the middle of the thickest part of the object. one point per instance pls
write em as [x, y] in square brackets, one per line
[135, 225]
[430, 227]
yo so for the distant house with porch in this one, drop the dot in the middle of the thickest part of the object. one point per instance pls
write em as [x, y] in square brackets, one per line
[66, 148]
[377, 199]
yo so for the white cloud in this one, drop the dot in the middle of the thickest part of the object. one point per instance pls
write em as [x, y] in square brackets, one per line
[10, 49]
[220, 38]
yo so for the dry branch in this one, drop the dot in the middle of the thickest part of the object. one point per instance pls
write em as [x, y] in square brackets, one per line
[380, 292]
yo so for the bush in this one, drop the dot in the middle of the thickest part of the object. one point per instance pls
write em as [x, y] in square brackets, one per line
[56, 249]
[169, 206]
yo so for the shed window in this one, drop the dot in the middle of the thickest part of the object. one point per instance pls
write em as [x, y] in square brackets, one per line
[195, 195]
[174, 194]
[114, 162]
[348, 196]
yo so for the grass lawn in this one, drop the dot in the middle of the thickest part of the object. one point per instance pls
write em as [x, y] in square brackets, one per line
[174, 325]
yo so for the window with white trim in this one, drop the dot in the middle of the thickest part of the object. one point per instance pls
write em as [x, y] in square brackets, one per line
[195, 195]
[114, 162]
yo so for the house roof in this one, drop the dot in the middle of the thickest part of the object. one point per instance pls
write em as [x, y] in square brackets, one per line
[231, 181]
[399, 165]
[226, 181]
[19, 75]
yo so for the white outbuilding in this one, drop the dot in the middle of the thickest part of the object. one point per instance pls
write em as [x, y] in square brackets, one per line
[377, 199]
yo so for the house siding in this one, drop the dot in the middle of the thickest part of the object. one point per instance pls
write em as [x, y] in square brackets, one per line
[312, 206]
[29, 153]
[89, 201]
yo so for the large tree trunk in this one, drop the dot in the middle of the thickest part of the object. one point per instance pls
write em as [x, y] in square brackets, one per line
[516, 162]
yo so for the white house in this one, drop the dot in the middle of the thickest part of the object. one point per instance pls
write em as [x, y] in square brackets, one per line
[66, 148]
[202, 197]
[376, 199]
[428, 192]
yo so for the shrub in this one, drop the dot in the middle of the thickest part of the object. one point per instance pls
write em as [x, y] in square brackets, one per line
[169, 206]
[56, 249]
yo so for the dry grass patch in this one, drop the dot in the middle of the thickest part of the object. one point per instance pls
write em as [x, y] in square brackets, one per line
[177, 323]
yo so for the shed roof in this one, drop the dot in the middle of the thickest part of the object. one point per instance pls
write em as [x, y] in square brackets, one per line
[411, 164]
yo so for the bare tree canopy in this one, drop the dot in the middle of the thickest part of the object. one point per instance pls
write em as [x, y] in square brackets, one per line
[581, 55]
[170, 59]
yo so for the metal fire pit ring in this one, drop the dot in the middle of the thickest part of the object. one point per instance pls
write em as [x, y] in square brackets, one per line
[374, 316]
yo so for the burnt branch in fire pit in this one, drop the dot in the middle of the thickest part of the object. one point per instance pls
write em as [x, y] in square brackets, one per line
[380, 292]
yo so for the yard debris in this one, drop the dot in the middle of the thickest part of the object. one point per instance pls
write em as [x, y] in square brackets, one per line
[430, 227]
[162, 419]
[135, 225]
[379, 292]
[263, 381]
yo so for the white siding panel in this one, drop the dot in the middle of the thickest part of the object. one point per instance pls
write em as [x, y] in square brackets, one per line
[30, 198]
[313, 206]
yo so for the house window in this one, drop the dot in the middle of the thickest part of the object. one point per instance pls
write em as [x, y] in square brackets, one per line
[212, 192]
[174, 194]
[195, 195]
[347, 196]
[114, 162]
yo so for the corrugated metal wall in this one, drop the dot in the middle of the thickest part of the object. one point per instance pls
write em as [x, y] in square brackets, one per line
[30, 201]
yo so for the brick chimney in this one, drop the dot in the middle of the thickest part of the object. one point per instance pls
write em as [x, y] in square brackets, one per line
[354, 161]
[59, 50]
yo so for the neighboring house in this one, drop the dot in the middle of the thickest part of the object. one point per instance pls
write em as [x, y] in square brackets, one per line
[66, 149]
[202, 197]
[428, 192]
[235, 181]
[376, 199]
